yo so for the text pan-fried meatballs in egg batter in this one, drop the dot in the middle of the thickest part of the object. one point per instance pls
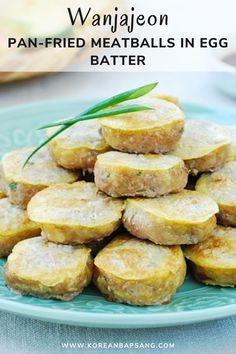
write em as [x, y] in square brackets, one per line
[119, 174]
[14, 226]
[204, 146]
[221, 186]
[39, 173]
[153, 131]
[213, 261]
[41, 268]
[78, 146]
[187, 217]
[138, 272]
[75, 213]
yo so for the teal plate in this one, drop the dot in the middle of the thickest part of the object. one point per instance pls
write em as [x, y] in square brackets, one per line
[193, 302]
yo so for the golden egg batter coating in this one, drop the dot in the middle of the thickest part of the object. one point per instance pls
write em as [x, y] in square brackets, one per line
[154, 131]
[169, 98]
[138, 272]
[75, 213]
[221, 186]
[230, 130]
[204, 146]
[119, 174]
[41, 268]
[213, 261]
[187, 217]
[14, 226]
[39, 173]
[3, 189]
[78, 146]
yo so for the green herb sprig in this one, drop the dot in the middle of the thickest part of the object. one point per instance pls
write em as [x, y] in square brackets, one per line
[97, 111]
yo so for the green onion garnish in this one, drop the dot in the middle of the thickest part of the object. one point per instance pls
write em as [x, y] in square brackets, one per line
[96, 111]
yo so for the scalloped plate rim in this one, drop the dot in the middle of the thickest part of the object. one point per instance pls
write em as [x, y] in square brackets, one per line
[84, 318]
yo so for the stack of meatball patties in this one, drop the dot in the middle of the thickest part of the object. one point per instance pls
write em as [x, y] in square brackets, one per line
[159, 183]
